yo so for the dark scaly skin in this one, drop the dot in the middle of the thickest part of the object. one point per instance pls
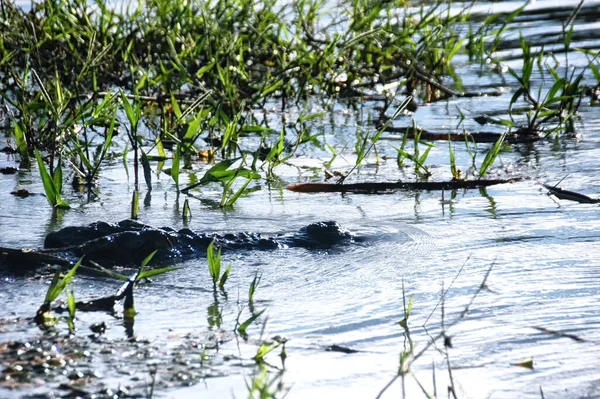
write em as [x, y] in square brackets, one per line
[129, 242]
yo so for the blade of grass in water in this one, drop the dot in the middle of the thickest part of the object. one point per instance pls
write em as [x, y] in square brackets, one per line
[175, 166]
[224, 277]
[187, 211]
[244, 326]
[135, 205]
[254, 286]
[50, 184]
[71, 306]
[214, 263]
[58, 285]
[147, 170]
[22, 145]
[490, 156]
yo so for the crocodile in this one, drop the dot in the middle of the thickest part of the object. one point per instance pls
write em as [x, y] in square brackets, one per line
[129, 242]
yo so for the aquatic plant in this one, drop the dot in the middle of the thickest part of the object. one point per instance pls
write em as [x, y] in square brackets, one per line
[491, 156]
[209, 72]
[44, 316]
[87, 67]
[453, 169]
[407, 307]
[266, 380]
[52, 184]
[72, 307]
[417, 157]
[254, 286]
[214, 267]
[243, 327]
[21, 145]
[263, 385]
[134, 115]
[135, 204]
[187, 211]
[223, 173]
[89, 168]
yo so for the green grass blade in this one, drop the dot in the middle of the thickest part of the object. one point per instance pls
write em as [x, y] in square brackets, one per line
[187, 211]
[175, 166]
[135, 205]
[175, 106]
[124, 159]
[244, 326]
[453, 168]
[410, 306]
[147, 170]
[264, 349]
[490, 156]
[131, 115]
[156, 272]
[214, 263]
[160, 148]
[58, 178]
[45, 94]
[254, 286]
[49, 188]
[216, 173]
[192, 107]
[83, 158]
[271, 88]
[71, 305]
[224, 277]
[109, 135]
[148, 259]
[58, 285]
[192, 129]
[237, 194]
[22, 145]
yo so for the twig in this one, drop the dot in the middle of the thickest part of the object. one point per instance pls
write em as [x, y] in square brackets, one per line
[482, 286]
[153, 372]
[449, 286]
[570, 195]
[383, 187]
[441, 334]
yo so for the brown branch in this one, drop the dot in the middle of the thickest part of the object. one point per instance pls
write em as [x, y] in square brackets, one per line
[382, 187]
[519, 136]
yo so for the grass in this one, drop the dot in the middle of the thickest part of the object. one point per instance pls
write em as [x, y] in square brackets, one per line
[76, 74]
[52, 184]
[440, 342]
[44, 317]
[214, 267]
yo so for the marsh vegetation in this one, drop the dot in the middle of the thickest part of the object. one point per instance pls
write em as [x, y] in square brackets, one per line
[223, 104]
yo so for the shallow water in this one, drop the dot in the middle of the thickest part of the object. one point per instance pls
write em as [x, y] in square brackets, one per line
[544, 252]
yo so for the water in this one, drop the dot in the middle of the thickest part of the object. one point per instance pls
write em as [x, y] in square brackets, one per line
[542, 252]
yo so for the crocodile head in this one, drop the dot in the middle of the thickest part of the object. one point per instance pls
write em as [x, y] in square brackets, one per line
[322, 235]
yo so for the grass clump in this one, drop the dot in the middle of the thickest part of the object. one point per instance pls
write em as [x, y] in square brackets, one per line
[179, 69]
[214, 267]
[178, 77]
[44, 317]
